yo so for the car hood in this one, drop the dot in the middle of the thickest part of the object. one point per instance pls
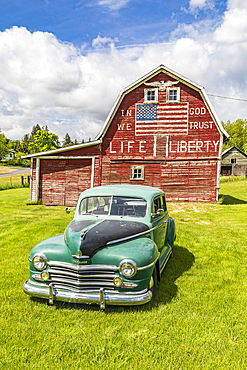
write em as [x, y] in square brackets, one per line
[89, 236]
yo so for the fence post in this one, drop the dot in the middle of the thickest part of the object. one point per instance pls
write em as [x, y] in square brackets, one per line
[22, 180]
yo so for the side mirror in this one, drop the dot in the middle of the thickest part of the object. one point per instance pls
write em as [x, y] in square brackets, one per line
[68, 210]
[160, 212]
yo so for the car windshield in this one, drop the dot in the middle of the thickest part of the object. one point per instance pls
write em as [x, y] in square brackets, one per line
[113, 206]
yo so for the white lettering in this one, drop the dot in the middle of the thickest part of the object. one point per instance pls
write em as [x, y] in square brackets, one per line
[170, 149]
[201, 125]
[130, 146]
[141, 147]
[183, 146]
[207, 142]
[122, 149]
[128, 113]
[112, 151]
[216, 143]
[191, 146]
[122, 112]
[128, 128]
[198, 111]
[199, 145]
[121, 126]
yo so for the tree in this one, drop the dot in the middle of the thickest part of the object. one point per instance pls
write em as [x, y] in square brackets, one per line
[43, 141]
[238, 134]
[67, 140]
[3, 145]
[24, 144]
[34, 131]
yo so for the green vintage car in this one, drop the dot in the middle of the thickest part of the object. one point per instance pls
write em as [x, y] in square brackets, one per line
[111, 253]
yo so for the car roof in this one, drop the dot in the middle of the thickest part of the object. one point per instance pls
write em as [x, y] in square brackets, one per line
[140, 191]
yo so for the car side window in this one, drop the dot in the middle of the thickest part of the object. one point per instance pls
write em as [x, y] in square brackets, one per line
[164, 203]
[155, 207]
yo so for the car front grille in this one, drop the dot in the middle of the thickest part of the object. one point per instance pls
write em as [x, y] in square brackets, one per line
[68, 276]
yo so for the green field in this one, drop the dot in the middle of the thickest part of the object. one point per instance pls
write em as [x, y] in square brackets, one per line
[197, 321]
[11, 182]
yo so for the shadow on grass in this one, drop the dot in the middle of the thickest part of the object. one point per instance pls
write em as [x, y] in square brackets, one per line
[181, 261]
[228, 199]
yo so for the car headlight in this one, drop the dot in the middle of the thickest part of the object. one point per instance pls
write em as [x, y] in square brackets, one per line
[128, 268]
[39, 261]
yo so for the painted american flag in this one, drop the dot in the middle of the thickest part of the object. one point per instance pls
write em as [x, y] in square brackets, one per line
[161, 119]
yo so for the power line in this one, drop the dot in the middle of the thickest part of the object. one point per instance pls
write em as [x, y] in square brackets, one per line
[225, 97]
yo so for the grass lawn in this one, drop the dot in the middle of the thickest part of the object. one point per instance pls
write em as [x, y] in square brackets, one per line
[197, 321]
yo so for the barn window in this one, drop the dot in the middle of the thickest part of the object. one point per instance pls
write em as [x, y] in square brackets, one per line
[233, 160]
[150, 95]
[173, 94]
[137, 173]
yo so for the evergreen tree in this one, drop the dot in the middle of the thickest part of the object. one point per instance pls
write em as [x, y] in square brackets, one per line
[67, 140]
[24, 144]
[34, 131]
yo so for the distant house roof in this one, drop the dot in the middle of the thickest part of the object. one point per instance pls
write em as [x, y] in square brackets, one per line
[229, 150]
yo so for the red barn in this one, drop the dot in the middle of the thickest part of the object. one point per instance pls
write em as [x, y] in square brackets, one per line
[162, 131]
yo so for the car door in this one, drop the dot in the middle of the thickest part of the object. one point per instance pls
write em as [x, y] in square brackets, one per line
[159, 222]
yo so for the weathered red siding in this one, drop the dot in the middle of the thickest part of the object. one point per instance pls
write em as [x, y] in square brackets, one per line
[179, 150]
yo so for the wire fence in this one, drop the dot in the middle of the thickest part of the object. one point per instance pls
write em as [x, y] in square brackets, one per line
[11, 182]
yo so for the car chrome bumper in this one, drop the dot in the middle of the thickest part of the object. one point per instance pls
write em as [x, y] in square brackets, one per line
[101, 297]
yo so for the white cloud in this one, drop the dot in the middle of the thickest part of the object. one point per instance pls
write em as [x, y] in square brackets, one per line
[45, 81]
[198, 3]
[101, 41]
[114, 4]
[234, 27]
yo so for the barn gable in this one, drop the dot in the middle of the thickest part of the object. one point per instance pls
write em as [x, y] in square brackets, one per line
[170, 80]
[162, 131]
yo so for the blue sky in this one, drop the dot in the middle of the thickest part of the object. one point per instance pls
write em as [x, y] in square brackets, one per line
[131, 22]
[63, 63]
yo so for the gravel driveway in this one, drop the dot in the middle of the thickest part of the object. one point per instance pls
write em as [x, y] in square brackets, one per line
[16, 171]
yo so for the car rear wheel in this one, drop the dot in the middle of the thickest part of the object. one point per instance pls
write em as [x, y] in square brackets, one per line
[153, 283]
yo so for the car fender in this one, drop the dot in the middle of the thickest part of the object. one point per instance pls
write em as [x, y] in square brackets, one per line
[54, 249]
[171, 232]
[142, 250]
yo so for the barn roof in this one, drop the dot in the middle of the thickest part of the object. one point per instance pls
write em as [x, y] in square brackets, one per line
[128, 89]
[145, 78]
[66, 149]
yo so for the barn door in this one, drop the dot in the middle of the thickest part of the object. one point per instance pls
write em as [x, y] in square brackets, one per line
[53, 179]
[62, 180]
[78, 179]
